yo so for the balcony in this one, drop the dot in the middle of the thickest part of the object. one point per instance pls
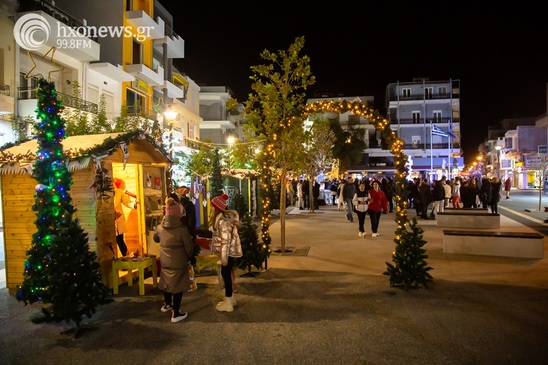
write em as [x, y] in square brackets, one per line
[27, 100]
[435, 146]
[139, 111]
[145, 24]
[6, 100]
[76, 103]
[142, 72]
[172, 90]
[62, 32]
[112, 72]
[175, 44]
[395, 121]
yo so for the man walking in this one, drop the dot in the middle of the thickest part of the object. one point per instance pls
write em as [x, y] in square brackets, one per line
[348, 192]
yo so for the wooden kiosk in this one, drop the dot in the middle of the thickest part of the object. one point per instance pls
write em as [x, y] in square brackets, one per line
[133, 157]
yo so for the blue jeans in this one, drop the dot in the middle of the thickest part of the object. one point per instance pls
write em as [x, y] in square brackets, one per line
[349, 209]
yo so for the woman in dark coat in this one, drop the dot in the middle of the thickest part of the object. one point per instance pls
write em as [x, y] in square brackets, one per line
[176, 250]
[495, 194]
[485, 192]
[467, 194]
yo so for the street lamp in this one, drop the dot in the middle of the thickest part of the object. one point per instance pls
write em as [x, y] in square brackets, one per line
[498, 147]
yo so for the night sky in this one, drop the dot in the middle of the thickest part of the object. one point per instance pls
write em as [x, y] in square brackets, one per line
[498, 52]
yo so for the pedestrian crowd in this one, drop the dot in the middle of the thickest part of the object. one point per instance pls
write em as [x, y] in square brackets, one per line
[430, 198]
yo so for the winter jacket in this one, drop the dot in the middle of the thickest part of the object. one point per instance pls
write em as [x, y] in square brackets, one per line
[495, 192]
[349, 190]
[176, 249]
[361, 201]
[455, 190]
[377, 201]
[447, 189]
[425, 193]
[226, 241]
[438, 192]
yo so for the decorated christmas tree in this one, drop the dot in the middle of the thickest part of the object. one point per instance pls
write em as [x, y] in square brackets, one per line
[60, 270]
[410, 269]
[253, 252]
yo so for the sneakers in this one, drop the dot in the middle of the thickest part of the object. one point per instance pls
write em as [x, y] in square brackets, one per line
[375, 235]
[361, 234]
[166, 308]
[234, 303]
[225, 305]
[179, 317]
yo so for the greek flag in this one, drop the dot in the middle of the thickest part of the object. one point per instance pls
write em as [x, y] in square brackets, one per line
[438, 132]
[451, 134]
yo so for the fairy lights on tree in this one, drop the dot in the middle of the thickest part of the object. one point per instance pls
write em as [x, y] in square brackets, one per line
[60, 270]
[410, 268]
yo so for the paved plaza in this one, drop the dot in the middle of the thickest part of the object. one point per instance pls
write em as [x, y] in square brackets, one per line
[327, 303]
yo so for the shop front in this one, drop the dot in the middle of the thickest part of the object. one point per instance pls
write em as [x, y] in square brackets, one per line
[94, 161]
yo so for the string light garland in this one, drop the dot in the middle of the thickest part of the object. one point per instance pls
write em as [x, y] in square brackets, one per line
[409, 268]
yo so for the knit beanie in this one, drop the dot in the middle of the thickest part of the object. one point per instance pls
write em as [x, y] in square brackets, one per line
[172, 208]
[219, 202]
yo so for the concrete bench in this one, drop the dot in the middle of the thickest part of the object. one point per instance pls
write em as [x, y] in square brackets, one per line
[507, 244]
[468, 221]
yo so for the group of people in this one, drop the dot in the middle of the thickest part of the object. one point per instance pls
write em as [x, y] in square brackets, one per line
[457, 193]
[365, 197]
[177, 237]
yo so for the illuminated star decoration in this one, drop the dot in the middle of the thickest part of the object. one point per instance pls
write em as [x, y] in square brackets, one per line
[59, 68]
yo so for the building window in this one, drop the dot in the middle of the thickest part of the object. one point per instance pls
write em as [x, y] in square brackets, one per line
[135, 101]
[436, 116]
[28, 87]
[442, 91]
[109, 104]
[428, 92]
[137, 52]
[416, 117]
[406, 93]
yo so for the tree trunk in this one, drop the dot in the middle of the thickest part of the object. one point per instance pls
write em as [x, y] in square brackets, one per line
[283, 193]
[311, 203]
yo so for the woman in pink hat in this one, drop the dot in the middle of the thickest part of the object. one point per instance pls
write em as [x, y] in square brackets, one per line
[226, 244]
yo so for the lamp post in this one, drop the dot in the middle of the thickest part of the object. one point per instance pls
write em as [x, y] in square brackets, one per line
[170, 116]
[499, 156]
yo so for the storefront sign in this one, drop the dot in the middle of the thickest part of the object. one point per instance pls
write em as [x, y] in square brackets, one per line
[532, 162]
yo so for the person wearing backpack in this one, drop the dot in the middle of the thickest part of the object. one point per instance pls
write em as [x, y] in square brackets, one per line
[225, 244]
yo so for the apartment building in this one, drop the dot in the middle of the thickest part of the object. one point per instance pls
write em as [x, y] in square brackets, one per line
[120, 52]
[426, 116]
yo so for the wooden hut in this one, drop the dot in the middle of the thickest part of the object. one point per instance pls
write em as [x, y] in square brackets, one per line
[133, 157]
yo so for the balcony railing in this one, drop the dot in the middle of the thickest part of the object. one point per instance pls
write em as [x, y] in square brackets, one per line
[138, 111]
[50, 9]
[73, 102]
[396, 121]
[5, 90]
[435, 146]
[26, 93]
